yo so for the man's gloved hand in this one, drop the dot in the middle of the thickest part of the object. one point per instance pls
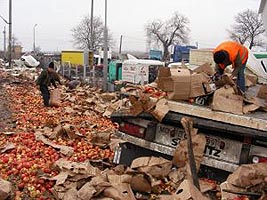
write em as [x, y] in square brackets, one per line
[216, 77]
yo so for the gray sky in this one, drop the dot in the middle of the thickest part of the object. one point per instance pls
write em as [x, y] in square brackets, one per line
[209, 20]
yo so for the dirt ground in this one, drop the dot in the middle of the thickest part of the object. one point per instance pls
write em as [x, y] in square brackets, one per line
[5, 114]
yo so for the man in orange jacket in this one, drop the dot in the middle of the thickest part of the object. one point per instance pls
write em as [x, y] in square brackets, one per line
[235, 54]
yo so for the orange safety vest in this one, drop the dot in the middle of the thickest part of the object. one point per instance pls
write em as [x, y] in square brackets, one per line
[233, 48]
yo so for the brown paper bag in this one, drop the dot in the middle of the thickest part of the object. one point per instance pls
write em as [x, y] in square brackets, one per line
[55, 98]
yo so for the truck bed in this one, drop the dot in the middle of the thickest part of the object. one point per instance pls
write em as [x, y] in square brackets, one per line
[253, 124]
[237, 138]
[256, 120]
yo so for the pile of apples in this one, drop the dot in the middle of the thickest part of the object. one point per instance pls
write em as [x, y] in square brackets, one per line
[30, 161]
[25, 165]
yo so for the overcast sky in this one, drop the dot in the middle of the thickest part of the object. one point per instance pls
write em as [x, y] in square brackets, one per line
[209, 20]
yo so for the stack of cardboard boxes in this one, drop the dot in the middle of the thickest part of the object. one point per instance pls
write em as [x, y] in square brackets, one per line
[183, 84]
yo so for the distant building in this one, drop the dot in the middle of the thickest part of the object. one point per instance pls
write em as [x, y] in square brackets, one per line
[17, 52]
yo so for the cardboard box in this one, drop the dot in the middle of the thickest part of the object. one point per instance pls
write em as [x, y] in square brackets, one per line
[197, 88]
[165, 84]
[175, 81]
[225, 99]
[164, 80]
[181, 84]
[206, 68]
[164, 72]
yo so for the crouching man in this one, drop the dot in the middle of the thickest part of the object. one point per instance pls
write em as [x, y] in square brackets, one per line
[46, 78]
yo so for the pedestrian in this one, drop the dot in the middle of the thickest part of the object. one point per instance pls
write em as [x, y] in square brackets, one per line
[46, 78]
[235, 54]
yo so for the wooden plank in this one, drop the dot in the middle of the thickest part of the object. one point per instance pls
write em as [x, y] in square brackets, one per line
[207, 113]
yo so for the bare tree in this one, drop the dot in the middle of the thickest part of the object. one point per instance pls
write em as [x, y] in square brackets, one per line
[173, 31]
[248, 27]
[82, 34]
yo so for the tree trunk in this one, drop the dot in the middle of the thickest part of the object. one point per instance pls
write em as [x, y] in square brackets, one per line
[251, 44]
[166, 54]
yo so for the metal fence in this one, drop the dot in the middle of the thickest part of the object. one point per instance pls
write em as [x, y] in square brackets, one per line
[93, 77]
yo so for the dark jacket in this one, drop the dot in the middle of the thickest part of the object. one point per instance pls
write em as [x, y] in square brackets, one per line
[46, 78]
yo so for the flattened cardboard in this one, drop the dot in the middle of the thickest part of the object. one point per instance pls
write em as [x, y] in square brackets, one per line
[262, 93]
[161, 109]
[188, 191]
[118, 179]
[5, 189]
[228, 186]
[140, 184]
[136, 108]
[248, 175]
[168, 197]
[250, 108]
[158, 171]
[180, 156]
[226, 100]
[251, 80]
[156, 166]
[206, 68]
[148, 161]
[226, 80]
[140, 162]
[120, 192]
[157, 161]
[71, 194]
[86, 192]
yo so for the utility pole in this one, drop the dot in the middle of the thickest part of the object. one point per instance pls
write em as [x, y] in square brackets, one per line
[92, 21]
[4, 32]
[92, 38]
[10, 34]
[120, 45]
[34, 37]
[105, 51]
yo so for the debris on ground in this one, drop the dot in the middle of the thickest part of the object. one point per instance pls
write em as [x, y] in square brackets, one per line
[66, 151]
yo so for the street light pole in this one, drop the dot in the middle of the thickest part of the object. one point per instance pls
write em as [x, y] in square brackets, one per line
[120, 45]
[105, 51]
[34, 37]
[10, 34]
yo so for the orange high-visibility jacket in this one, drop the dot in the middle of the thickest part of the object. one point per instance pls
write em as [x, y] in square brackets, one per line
[233, 49]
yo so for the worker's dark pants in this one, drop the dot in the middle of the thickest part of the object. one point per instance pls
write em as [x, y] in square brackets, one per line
[241, 78]
[45, 94]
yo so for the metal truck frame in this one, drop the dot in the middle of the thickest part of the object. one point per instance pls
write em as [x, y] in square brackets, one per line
[232, 139]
